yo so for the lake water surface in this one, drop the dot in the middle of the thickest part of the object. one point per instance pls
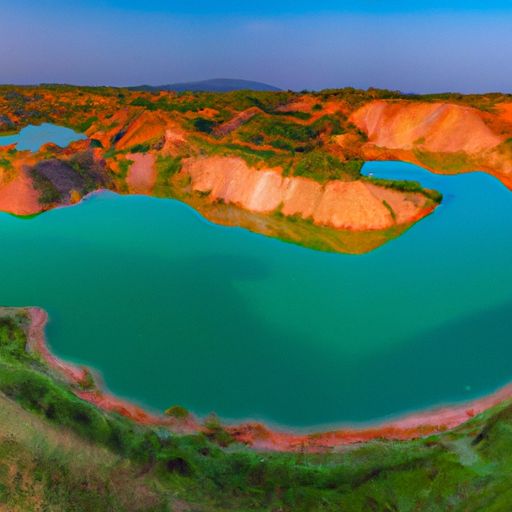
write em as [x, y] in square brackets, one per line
[32, 137]
[175, 310]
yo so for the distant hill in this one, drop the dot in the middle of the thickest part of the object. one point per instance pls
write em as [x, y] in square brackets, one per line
[213, 85]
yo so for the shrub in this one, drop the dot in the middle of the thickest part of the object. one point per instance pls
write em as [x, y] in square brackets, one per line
[322, 167]
[83, 127]
[407, 186]
[141, 148]
[178, 412]
[203, 125]
[12, 337]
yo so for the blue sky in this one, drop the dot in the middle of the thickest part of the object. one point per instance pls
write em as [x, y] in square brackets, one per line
[412, 46]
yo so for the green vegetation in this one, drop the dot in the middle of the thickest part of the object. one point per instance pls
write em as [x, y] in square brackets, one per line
[6, 166]
[278, 136]
[390, 209]
[124, 167]
[166, 168]
[203, 125]
[12, 337]
[277, 128]
[141, 148]
[177, 411]
[63, 454]
[444, 162]
[49, 193]
[60, 453]
[323, 167]
[289, 135]
[406, 186]
[357, 97]
[253, 157]
[87, 124]
[304, 116]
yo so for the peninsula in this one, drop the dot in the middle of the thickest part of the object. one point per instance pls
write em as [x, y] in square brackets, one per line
[280, 163]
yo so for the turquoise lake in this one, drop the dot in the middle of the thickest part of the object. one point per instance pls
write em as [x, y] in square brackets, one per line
[32, 137]
[172, 309]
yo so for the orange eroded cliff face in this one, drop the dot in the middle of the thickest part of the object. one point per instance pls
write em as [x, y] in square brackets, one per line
[353, 205]
[436, 127]
[19, 197]
[147, 127]
[17, 192]
[443, 137]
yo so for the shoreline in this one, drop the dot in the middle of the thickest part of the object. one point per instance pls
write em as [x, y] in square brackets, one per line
[257, 434]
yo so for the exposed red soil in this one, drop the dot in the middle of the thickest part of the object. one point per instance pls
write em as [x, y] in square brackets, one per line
[307, 104]
[505, 112]
[237, 121]
[17, 193]
[145, 127]
[108, 134]
[19, 197]
[142, 173]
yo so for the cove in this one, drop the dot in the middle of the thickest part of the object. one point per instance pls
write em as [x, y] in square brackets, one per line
[32, 137]
[172, 309]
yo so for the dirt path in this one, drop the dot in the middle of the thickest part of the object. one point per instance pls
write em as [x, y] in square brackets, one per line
[142, 173]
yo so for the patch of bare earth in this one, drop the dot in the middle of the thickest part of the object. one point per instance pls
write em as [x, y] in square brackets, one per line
[142, 173]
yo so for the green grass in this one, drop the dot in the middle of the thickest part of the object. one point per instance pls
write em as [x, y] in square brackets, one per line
[124, 167]
[287, 134]
[253, 157]
[322, 167]
[406, 186]
[87, 124]
[277, 128]
[444, 162]
[166, 168]
[59, 453]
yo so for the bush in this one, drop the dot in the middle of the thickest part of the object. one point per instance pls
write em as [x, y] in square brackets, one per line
[323, 167]
[140, 148]
[407, 186]
[12, 337]
[177, 411]
[203, 125]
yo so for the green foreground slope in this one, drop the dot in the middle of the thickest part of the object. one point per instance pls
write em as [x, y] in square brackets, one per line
[59, 453]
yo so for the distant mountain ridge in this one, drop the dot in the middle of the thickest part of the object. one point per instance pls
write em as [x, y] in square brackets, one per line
[211, 85]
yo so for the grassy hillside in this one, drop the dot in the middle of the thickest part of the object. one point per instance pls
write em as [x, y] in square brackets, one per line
[60, 453]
